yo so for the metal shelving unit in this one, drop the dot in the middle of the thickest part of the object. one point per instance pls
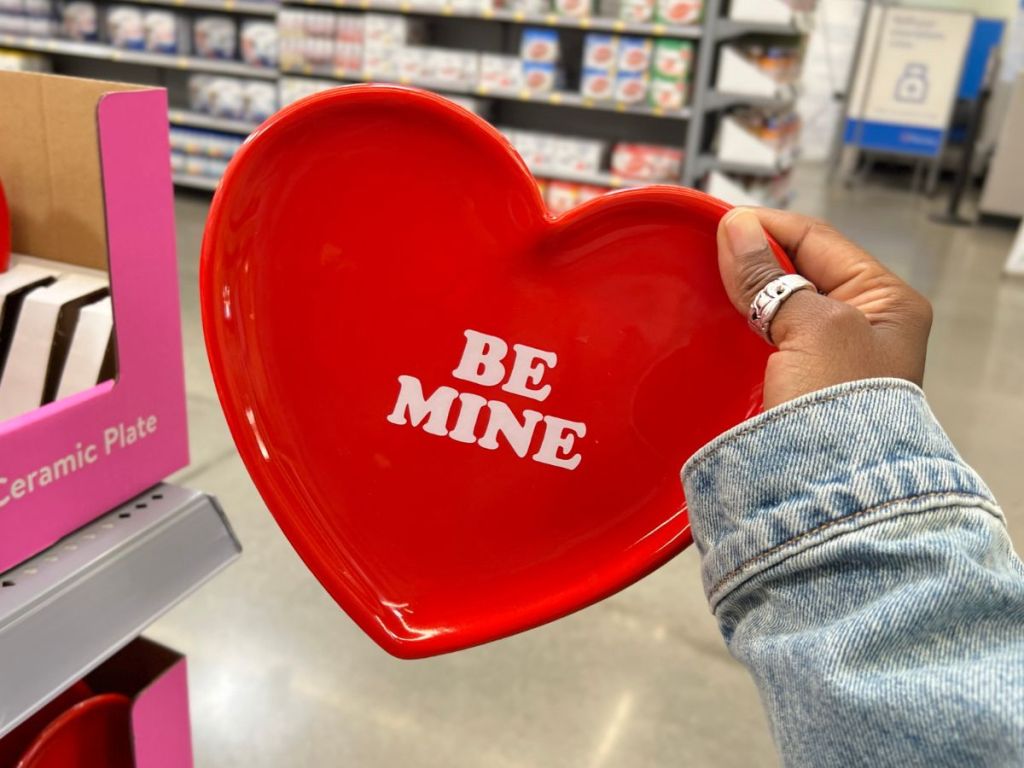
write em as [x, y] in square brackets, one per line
[722, 100]
[198, 120]
[598, 179]
[697, 119]
[220, 6]
[68, 609]
[711, 163]
[592, 23]
[553, 98]
[204, 183]
[58, 47]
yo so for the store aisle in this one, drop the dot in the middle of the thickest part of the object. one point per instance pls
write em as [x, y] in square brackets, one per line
[281, 677]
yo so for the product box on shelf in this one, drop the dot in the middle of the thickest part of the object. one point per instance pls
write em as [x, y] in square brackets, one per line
[631, 87]
[85, 168]
[647, 162]
[214, 37]
[80, 20]
[17, 61]
[759, 137]
[771, 71]
[259, 43]
[126, 27]
[597, 84]
[539, 45]
[541, 77]
[600, 52]
[636, 11]
[575, 8]
[165, 32]
[634, 55]
[500, 72]
[670, 70]
[679, 11]
[136, 708]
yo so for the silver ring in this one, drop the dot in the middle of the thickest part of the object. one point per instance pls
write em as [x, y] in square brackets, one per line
[769, 301]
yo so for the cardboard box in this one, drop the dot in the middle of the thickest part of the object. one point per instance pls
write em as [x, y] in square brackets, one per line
[85, 167]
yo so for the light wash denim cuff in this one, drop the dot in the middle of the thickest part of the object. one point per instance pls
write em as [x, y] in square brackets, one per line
[818, 467]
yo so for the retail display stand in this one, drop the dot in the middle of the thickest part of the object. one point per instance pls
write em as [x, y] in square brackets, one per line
[92, 548]
[720, 80]
[71, 607]
[71, 204]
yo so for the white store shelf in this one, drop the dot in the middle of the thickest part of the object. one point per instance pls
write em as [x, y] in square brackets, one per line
[59, 47]
[554, 98]
[67, 610]
[196, 182]
[727, 29]
[724, 100]
[199, 120]
[597, 23]
[221, 6]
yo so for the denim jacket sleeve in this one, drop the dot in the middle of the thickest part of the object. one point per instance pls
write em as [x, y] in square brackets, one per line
[863, 574]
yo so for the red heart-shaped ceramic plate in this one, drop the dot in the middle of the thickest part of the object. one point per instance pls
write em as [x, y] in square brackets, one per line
[467, 416]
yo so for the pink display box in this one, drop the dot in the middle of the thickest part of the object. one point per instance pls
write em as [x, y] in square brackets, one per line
[155, 678]
[116, 135]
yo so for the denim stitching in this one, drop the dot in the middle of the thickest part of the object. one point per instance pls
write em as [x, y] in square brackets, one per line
[782, 414]
[826, 525]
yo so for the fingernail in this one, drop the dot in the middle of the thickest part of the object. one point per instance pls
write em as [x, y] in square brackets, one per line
[744, 232]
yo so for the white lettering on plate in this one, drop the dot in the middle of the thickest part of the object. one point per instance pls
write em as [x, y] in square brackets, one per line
[482, 421]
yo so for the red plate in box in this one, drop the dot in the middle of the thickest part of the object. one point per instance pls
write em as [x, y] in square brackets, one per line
[468, 416]
[95, 733]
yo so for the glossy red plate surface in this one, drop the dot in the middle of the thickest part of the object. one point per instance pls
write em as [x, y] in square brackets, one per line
[355, 239]
[95, 733]
[14, 744]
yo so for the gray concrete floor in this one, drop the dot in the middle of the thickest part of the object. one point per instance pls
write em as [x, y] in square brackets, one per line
[281, 677]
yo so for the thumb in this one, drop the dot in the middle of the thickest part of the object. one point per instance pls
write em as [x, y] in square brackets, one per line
[747, 264]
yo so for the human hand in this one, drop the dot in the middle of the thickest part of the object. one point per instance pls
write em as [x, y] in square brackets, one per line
[865, 323]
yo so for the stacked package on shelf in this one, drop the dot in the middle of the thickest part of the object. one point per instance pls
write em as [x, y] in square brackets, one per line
[214, 37]
[372, 46]
[551, 154]
[159, 31]
[570, 8]
[80, 21]
[27, 17]
[779, 129]
[632, 65]
[259, 43]
[130, 27]
[16, 61]
[676, 12]
[636, 70]
[540, 52]
[307, 39]
[232, 98]
[291, 89]
[779, 62]
[501, 72]
[649, 163]
[670, 73]
[560, 196]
